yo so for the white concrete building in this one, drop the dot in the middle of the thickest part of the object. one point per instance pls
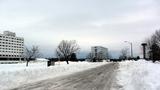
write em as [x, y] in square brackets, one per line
[100, 52]
[11, 47]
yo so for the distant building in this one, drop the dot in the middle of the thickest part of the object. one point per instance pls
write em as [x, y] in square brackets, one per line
[11, 47]
[99, 52]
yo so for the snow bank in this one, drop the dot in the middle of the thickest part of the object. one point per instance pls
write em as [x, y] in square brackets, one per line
[139, 75]
[13, 75]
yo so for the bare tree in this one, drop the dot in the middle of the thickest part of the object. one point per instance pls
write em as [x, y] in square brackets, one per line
[66, 48]
[31, 53]
[153, 46]
[154, 39]
[90, 57]
[124, 53]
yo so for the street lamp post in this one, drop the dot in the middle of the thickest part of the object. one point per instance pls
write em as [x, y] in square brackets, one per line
[131, 48]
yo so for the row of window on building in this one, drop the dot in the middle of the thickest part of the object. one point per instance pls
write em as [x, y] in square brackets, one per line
[8, 40]
[11, 38]
[12, 51]
[12, 43]
[8, 46]
[10, 55]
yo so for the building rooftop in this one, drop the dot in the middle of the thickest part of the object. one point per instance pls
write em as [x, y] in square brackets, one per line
[9, 34]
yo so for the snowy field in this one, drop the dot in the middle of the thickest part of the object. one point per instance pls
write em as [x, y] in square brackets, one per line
[139, 75]
[13, 75]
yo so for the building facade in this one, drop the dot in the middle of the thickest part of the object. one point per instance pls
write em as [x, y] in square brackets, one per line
[11, 47]
[99, 52]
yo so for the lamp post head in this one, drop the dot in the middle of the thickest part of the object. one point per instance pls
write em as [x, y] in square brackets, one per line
[144, 44]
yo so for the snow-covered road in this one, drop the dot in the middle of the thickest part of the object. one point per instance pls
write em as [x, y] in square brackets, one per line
[14, 75]
[100, 78]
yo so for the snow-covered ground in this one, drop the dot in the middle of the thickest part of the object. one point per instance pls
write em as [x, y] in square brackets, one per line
[131, 75]
[13, 75]
[139, 75]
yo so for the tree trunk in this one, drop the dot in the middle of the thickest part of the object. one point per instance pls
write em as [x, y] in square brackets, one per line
[67, 61]
[27, 63]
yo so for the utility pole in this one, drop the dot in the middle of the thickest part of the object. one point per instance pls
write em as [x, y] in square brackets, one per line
[131, 47]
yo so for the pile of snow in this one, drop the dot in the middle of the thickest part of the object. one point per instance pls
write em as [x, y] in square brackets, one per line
[14, 75]
[139, 75]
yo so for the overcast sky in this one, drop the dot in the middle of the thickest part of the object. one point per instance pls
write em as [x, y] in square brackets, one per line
[91, 22]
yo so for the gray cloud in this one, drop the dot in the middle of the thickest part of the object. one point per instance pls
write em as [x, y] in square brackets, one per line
[90, 22]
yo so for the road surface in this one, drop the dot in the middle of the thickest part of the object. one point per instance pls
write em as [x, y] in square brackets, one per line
[100, 78]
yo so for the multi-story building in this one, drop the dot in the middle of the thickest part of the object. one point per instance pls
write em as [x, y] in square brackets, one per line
[11, 47]
[99, 52]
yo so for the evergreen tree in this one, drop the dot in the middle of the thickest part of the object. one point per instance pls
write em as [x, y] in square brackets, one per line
[73, 57]
[155, 52]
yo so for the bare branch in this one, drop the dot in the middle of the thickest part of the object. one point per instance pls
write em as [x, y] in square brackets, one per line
[66, 48]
